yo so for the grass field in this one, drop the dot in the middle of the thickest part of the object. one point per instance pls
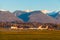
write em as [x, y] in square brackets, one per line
[29, 35]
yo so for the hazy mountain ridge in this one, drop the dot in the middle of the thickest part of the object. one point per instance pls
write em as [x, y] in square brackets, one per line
[36, 16]
[32, 16]
[6, 16]
[55, 15]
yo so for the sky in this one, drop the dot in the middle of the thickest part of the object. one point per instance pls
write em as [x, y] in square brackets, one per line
[13, 5]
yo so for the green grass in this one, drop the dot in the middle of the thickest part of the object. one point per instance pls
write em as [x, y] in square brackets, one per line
[29, 35]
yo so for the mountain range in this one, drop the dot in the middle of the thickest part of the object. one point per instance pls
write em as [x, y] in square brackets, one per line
[34, 16]
[42, 16]
[55, 15]
[6, 16]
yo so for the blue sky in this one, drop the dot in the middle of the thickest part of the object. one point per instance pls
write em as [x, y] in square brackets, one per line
[13, 5]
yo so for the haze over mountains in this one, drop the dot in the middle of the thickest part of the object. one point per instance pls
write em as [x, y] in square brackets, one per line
[35, 16]
[42, 16]
[38, 16]
[6, 16]
[55, 15]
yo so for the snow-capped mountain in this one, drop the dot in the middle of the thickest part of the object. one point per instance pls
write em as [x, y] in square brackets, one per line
[38, 16]
[34, 16]
[28, 10]
[3, 10]
[44, 11]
